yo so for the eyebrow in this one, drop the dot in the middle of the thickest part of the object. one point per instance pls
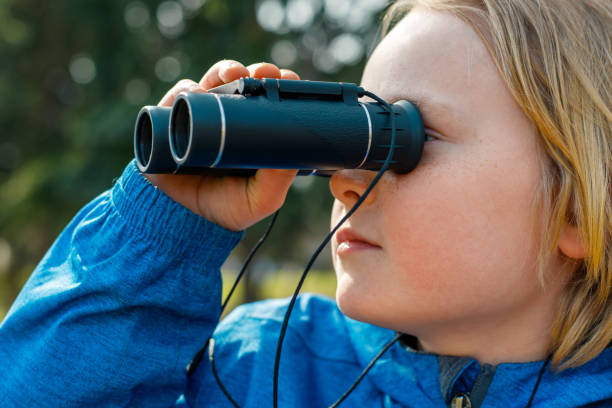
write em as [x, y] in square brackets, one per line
[430, 108]
[439, 114]
[427, 104]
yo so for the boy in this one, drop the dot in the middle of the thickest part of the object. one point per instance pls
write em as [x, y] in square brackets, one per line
[491, 256]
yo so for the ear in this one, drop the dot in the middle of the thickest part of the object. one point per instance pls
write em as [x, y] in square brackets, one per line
[570, 242]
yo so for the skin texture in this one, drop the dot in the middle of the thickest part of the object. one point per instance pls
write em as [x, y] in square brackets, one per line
[456, 262]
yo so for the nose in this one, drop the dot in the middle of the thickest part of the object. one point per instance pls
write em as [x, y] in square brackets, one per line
[348, 186]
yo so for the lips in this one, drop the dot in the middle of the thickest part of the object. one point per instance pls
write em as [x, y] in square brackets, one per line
[349, 237]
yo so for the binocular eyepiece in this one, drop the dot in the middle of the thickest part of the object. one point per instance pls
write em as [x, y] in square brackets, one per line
[249, 124]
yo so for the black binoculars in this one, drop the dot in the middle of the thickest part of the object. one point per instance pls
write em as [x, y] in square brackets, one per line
[248, 124]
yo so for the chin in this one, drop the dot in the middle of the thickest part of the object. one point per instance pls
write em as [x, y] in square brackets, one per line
[362, 303]
[352, 302]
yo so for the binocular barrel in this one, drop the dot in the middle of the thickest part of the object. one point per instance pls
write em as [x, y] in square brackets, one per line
[151, 143]
[281, 124]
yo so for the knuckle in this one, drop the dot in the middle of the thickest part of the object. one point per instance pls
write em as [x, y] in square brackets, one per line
[217, 64]
[184, 83]
[252, 67]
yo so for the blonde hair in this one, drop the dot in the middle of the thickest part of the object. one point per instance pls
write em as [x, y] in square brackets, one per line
[555, 57]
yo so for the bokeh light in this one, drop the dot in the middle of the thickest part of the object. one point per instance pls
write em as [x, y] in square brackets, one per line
[270, 15]
[300, 13]
[136, 15]
[192, 6]
[168, 68]
[82, 69]
[324, 61]
[346, 49]
[170, 19]
[337, 10]
[284, 53]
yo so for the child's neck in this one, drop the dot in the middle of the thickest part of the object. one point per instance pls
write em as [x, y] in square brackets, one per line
[519, 337]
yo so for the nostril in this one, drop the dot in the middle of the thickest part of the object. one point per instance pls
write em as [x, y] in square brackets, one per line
[351, 195]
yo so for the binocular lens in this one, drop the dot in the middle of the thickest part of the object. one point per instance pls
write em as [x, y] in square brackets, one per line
[181, 128]
[144, 147]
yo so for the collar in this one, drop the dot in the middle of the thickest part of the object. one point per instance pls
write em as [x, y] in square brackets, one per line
[418, 379]
[458, 376]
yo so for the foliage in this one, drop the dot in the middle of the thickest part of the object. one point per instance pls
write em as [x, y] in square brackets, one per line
[73, 75]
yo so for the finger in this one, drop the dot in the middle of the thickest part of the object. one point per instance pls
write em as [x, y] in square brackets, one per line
[267, 190]
[184, 85]
[288, 74]
[264, 70]
[223, 72]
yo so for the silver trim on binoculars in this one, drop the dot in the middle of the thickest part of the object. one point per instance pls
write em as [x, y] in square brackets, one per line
[369, 135]
[222, 143]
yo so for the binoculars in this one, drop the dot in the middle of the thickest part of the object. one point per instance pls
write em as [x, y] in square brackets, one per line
[315, 127]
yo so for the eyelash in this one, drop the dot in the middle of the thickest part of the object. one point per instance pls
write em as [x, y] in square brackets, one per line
[429, 135]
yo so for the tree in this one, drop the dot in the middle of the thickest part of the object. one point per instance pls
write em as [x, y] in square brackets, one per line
[74, 74]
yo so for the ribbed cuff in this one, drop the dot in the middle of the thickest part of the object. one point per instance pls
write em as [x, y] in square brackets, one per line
[166, 224]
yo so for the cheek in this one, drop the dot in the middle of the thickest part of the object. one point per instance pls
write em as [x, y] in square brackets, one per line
[462, 229]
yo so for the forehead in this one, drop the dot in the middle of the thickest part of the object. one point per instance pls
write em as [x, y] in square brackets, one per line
[435, 59]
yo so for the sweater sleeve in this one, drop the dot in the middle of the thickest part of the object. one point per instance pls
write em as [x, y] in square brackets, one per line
[118, 306]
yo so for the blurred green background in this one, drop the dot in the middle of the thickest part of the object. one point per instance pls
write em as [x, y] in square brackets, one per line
[74, 74]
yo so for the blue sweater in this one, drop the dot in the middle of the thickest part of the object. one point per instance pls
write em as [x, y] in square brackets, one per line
[131, 289]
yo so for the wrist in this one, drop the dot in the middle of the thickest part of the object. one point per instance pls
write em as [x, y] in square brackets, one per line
[163, 222]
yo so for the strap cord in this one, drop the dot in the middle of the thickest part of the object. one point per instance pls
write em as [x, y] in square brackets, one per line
[191, 368]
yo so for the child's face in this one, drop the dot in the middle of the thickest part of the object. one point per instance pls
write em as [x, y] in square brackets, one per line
[456, 243]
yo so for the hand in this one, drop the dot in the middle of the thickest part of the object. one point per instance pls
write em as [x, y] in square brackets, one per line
[235, 203]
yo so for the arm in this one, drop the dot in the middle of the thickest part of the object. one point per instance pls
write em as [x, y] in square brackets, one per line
[118, 306]
[131, 289]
